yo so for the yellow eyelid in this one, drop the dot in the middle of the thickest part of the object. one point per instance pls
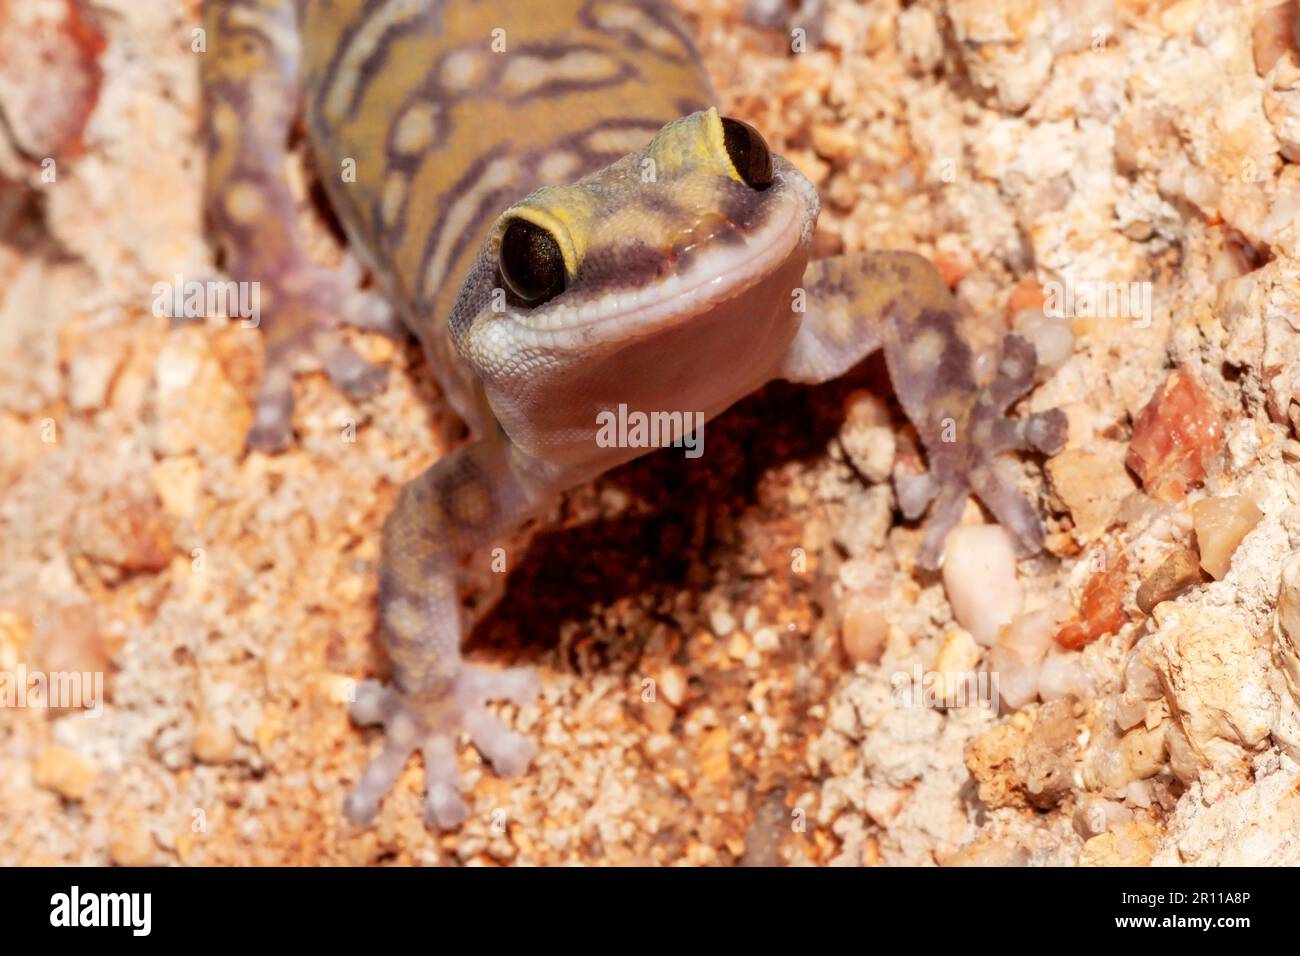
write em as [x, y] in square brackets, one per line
[696, 142]
[553, 221]
[717, 138]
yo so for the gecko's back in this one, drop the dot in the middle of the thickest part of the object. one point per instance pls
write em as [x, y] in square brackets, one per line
[429, 118]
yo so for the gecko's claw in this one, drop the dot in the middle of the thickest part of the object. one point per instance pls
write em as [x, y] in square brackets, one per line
[428, 721]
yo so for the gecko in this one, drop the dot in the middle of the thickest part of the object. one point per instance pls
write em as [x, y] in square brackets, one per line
[549, 200]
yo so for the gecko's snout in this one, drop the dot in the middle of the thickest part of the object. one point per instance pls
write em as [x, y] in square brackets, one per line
[710, 229]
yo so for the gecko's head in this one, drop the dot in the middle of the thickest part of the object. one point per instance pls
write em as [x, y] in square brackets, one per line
[663, 281]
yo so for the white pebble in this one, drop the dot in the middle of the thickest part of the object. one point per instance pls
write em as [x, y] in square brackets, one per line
[1017, 655]
[979, 574]
[1062, 675]
[722, 623]
[767, 639]
[858, 574]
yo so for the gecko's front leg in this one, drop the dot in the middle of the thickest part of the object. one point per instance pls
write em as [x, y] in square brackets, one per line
[898, 301]
[250, 80]
[442, 520]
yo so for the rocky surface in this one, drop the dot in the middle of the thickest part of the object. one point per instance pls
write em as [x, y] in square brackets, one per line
[740, 663]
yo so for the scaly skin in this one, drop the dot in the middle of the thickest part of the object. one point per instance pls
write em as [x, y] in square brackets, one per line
[438, 126]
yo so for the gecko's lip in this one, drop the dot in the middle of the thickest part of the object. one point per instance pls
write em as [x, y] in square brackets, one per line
[718, 274]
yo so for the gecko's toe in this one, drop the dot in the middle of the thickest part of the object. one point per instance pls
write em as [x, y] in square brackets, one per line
[272, 429]
[914, 492]
[1047, 431]
[1015, 372]
[944, 515]
[373, 703]
[997, 433]
[362, 804]
[372, 312]
[443, 807]
[354, 376]
[1017, 516]
[363, 308]
[508, 752]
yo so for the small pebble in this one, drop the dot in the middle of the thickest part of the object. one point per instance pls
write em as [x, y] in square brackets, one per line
[672, 685]
[1062, 675]
[1221, 524]
[979, 575]
[131, 844]
[1174, 438]
[1017, 655]
[862, 629]
[722, 623]
[64, 772]
[1274, 35]
[767, 639]
[214, 743]
[1176, 574]
[958, 657]
[1101, 608]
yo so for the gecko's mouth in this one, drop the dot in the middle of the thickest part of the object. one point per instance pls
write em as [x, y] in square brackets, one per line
[714, 273]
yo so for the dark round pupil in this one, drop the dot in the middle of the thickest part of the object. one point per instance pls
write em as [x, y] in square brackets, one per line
[531, 262]
[748, 152]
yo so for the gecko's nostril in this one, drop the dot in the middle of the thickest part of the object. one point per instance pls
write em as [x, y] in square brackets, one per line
[710, 229]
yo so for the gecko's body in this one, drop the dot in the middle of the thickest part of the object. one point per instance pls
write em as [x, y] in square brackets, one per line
[670, 274]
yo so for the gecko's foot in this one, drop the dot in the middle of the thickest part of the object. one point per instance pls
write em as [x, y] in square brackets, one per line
[302, 315]
[429, 721]
[969, 463]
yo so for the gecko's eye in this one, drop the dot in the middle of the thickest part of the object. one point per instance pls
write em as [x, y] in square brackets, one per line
[531, 262]
[748, 152]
